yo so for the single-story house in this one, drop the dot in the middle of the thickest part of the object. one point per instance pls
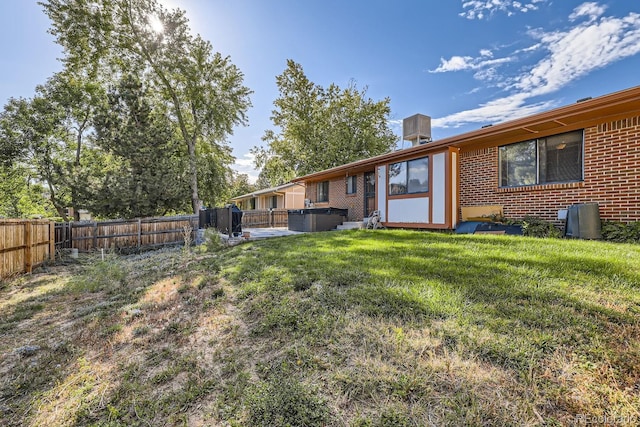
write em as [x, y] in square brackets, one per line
[586, 152]
[286, 196]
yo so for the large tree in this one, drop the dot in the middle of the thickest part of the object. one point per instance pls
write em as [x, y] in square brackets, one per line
[31, 127]
[46, 135]
[204, 90]
[320, 128]
[141, 172]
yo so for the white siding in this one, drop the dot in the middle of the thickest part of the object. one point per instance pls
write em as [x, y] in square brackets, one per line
[381, 189]
[454, 190]
[439, 188]
[409, 210]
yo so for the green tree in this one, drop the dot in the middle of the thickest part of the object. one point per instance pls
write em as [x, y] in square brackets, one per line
[142, 166]
[320, 128]
[241, 185]
[204, 90]
[76, 97]
[20, 197]
[46, 134]
[32, 128]
[215, 173]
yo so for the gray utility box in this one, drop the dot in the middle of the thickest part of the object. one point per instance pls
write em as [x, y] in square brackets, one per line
[316, 219]
[583, 221]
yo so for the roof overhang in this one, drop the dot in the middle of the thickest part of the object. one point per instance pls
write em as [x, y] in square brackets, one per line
[279, 190]
[580, 115]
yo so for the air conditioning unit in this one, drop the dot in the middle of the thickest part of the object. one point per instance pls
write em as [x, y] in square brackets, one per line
[417, 129]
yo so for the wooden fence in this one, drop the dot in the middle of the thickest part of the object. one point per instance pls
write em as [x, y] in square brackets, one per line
[125, 234]
[265, 218]
[25, 244]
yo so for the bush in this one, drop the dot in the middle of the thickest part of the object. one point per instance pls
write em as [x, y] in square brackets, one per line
[212, 240]
[100, 275]
[533, 226]
[615, 231]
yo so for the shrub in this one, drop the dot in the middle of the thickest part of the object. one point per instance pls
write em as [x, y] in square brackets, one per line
[212, 240]
[533, 226]
[100, 275]
[615, 231]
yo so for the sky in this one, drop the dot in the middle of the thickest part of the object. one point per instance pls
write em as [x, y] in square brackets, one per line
[464, 63]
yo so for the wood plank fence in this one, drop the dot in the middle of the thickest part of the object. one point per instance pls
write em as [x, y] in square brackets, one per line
[25, 244]
[265, 218]
[125, 234]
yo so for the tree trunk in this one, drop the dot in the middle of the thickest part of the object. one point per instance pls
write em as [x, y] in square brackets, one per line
[193, 169]
[62, 211]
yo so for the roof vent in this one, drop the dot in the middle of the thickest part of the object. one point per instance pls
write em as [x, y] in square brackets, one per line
[584, 99]
[417, 129]
[487, 126]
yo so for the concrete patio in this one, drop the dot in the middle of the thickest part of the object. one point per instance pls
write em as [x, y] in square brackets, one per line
[260, 233]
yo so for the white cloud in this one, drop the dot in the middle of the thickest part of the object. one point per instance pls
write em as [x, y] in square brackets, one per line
[568, 55]
[245, 165]
[590, 9]
[580, 50]
[498, 110]
[480, 9]
[459, 63]
[456, 63]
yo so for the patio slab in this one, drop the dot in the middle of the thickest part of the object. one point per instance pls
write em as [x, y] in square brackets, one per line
[260, 233]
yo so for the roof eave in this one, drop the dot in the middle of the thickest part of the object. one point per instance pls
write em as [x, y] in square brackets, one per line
[566, 118]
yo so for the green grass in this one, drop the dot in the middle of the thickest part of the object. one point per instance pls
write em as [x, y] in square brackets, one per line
[355, 328]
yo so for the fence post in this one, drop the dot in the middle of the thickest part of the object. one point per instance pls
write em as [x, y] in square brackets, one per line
[52, 241]
[230, 222]
[139, 232]
[95, 235]
[28, 260]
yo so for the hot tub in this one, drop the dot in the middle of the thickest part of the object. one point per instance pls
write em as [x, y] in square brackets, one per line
[316, 219]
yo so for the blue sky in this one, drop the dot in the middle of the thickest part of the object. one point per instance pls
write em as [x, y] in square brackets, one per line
[465, 63]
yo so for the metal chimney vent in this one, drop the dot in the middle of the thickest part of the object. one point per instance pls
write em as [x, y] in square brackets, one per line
[416, 129]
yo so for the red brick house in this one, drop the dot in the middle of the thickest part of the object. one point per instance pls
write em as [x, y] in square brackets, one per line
[587, 152]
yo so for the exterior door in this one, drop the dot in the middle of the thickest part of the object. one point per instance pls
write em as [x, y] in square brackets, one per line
[369, 193]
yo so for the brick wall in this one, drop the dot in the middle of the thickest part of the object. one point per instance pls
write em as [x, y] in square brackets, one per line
[339, 199]
[611, 178]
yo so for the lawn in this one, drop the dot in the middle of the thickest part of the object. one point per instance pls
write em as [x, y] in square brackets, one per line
[354, 328]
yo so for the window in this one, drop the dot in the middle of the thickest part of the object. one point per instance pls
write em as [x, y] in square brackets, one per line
[409, 177]
[322, 192]
[352, 184]
[556, 158]
[252, 203]
[273, 202]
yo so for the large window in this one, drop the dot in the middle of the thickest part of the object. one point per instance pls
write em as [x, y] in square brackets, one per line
[322, 192]
[352, 184]
[556, 158]
[409, 177]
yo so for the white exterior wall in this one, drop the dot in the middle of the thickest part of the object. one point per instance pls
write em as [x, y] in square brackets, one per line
[439, 188]
[381, 190]
[454, 189]
[409, 210]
